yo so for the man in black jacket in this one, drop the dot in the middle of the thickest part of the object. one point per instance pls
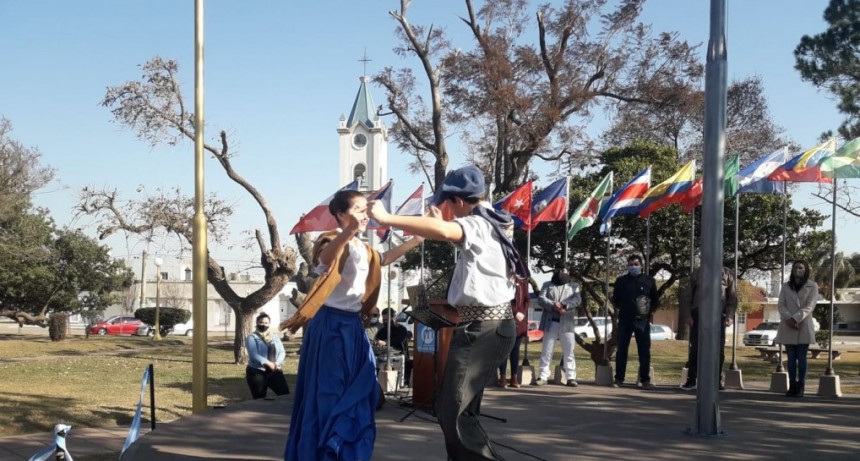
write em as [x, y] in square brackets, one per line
[635, 299]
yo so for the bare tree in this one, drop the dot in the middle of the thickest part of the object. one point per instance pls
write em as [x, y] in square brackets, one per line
[155, 109]
[531, 99]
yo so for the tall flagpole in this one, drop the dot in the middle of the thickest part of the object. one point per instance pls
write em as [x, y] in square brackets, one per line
[710, 319]
[829, 371]
[648, 245]
[734, 365]
[779, 368]
[199, 238]
[566, 220]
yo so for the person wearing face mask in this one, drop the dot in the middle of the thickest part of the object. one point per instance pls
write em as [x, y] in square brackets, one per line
[690, 312]
[372, 325]
[796, 331]
[635, 299]
[265, 361]
[559, 298]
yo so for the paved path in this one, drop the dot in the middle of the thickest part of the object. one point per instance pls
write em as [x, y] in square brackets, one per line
[550, 423]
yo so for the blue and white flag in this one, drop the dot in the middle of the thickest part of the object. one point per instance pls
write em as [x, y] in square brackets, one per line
[626, 200]
[384, 195]
[134, 430]
[60, 432]
[753, 178]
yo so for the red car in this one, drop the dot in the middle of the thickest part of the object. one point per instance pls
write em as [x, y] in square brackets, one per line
[534, 334]
[116, 325]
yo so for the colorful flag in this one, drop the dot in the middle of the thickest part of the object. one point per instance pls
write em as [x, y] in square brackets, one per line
[625, 200]
[730, 176]
[669, 191]
[518, 203]
[319, 219]
[550, 204]
[845, 163]
[413, 206]
[753, 178]
[586, 214]
[383, 194]
[693, 197]
[805, 167]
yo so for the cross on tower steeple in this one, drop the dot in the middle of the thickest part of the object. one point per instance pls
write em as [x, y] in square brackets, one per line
[364, 60]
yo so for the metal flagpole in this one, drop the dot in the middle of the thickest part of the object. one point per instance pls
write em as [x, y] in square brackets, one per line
[734, 365]
[779, 368]
[829, 371]
[566, 220]
[529, 246]
[199, 236]
[390, 317]
[606, 301]
[648, 245]
[710, 318]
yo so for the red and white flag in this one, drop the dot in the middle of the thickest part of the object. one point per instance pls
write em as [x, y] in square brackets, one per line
[319, 219]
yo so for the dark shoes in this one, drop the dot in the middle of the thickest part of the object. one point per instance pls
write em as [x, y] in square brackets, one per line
[572, 383]
[648, 385]
[540, 382]
[689, 385]
[618, 383]
[795, 389]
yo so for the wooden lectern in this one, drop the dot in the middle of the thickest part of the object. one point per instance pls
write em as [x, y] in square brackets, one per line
[429, 363]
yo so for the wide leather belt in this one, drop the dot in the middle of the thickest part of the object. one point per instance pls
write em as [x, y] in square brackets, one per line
[473, 313]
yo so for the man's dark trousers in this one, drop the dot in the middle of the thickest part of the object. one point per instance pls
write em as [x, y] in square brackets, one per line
[693, 357]
[642, 330]
[477, 349]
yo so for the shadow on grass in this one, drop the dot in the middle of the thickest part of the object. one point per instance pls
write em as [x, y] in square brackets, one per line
[27, 414]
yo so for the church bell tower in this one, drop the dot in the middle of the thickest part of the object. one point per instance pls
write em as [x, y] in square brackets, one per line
[363, 144]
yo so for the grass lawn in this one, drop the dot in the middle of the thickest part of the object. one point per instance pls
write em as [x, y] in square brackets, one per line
[95, 382]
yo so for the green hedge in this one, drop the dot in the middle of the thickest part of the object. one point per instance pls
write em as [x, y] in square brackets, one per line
[168, 316]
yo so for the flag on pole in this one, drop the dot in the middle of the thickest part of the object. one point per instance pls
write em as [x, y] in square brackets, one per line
[134, 430]
[845, 163]
[586, 213]
[518, 203]
[693, 197]
[50, 453]
[753, 178]
[730, 176]
[626, 200]
[383, 194]
[550, 204]
[669, 191]
[413, 206]
[319, 219]
[805, 167]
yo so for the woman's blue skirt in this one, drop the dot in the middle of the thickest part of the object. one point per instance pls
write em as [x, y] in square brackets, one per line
[336, 391]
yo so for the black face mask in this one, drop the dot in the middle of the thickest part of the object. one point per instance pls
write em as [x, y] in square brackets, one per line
[560, 278]
[262, 328]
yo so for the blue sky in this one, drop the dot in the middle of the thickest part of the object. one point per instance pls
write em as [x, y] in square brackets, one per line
[278, 76]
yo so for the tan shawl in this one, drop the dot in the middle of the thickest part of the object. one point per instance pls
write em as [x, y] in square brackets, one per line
[328, 280]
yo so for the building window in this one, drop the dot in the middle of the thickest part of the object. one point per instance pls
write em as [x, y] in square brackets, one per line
[188, 274]
[742, 318]
[359, 174]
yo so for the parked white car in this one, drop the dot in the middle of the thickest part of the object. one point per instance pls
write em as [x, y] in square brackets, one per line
[661, 333]
[765, 333]
[185, 329]
[583, 328]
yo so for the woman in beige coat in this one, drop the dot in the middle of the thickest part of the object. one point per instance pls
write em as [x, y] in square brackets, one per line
[796, 331]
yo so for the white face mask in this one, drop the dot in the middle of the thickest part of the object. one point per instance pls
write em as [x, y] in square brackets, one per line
[634, 270]
[799, 272]
[374, 319]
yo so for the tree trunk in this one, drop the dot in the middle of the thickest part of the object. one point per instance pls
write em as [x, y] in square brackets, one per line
[244, 325]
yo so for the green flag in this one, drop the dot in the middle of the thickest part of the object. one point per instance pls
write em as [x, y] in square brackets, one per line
[586, 214]
[730, 177]
[844, 163]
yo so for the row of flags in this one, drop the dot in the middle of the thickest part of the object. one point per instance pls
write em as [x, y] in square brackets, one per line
[764, 176]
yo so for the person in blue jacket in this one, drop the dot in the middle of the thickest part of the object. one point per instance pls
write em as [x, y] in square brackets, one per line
[265, 361]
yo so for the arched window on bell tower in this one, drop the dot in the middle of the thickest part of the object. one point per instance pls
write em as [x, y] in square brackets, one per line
[359, 174]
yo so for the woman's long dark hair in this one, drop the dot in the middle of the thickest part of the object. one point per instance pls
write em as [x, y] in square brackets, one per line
[800, 283]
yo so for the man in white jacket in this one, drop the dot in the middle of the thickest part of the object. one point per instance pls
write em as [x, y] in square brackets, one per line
[560, 298]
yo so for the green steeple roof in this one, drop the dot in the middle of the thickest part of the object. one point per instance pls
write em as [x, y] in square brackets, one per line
[363, 110]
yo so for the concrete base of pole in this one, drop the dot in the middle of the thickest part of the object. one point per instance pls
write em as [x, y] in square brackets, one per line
[526, 375]
[683, 376]
[779, 382]
[828, 386]
[388, 380]
[603, 375]
[734, 379]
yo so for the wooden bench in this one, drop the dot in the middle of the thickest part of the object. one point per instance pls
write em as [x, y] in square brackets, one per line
[770, 353]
